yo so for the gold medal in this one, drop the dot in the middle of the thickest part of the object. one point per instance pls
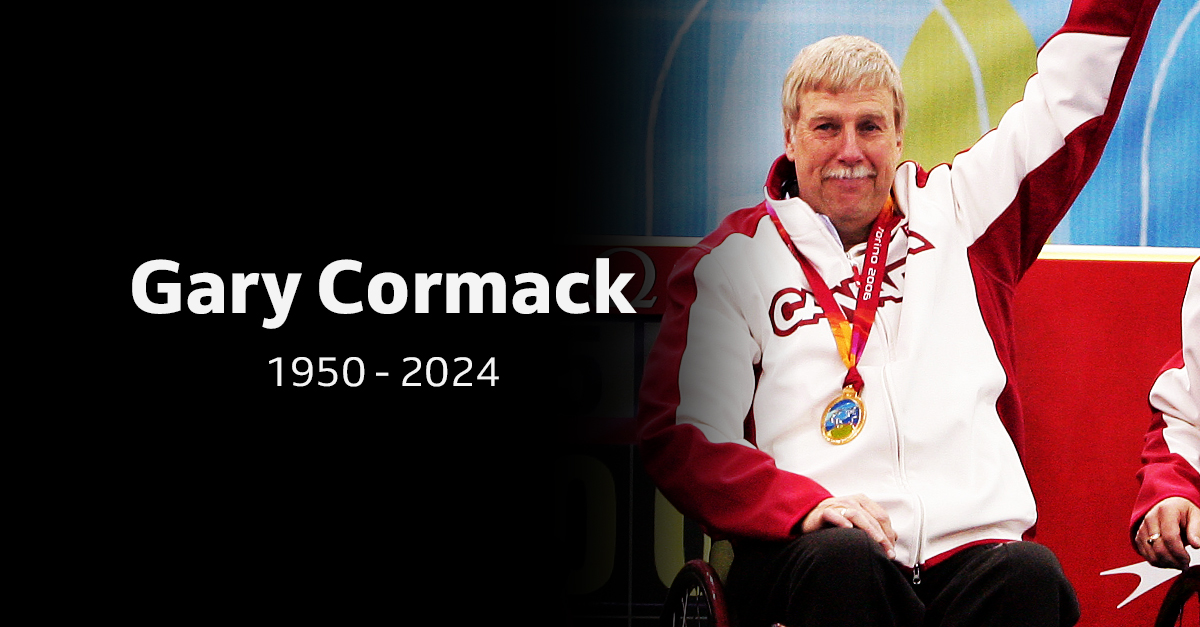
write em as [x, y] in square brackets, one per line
[844, 417]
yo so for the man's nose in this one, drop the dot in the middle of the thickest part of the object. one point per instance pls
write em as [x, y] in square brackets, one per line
[850, 152]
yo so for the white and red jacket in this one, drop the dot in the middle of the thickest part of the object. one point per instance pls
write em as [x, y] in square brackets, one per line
[745, 363]
[1171, 455]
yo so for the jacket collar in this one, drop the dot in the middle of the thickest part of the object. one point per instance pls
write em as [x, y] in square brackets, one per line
[809, 230]
[781, 177]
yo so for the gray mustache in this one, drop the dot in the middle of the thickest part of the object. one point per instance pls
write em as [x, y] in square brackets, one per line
[853, 172]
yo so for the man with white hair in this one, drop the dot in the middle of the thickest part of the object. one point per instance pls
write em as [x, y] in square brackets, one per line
[831, 386]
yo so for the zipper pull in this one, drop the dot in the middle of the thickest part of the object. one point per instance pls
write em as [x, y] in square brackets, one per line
[916, 578]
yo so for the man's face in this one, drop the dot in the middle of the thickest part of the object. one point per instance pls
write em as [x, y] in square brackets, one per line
[846, 148]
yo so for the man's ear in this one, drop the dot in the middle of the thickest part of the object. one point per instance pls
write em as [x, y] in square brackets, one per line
[788, 149]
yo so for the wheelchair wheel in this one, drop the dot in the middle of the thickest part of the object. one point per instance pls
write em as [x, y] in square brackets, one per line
[1176, 607]
[696, 598]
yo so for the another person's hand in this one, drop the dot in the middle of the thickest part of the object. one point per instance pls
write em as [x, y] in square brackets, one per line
[1168, 529]
[855, 511]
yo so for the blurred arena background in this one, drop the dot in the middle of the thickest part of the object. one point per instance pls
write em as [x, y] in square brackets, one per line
[683, 99]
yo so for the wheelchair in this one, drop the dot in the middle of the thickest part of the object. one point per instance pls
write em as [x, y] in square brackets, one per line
[1185, 588]
[696, 597]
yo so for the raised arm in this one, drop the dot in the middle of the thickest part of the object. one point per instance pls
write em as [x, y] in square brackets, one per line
[1013, 187]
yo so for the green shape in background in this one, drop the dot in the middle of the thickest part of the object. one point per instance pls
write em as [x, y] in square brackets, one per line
[943, 116]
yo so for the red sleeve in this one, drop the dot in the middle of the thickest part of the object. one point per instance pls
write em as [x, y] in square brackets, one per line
[1106, 17]
[1164, 473]
[731, 488]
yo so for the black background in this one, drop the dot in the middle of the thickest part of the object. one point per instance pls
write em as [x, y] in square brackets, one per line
[238, 143]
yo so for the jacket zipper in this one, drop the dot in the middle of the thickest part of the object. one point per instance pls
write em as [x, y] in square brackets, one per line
[881, 322]
[901, 466]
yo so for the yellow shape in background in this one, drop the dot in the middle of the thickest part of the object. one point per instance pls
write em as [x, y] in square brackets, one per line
[943, 115]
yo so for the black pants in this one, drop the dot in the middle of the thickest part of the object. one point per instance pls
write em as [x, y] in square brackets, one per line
[839, 576]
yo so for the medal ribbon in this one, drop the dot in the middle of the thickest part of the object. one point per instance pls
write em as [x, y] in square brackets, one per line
[851, 337]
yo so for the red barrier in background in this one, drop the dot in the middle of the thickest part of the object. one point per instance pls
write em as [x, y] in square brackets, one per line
[1091, 337]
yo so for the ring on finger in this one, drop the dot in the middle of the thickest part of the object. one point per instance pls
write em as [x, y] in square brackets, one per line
[1153, 537]
[842, 512]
